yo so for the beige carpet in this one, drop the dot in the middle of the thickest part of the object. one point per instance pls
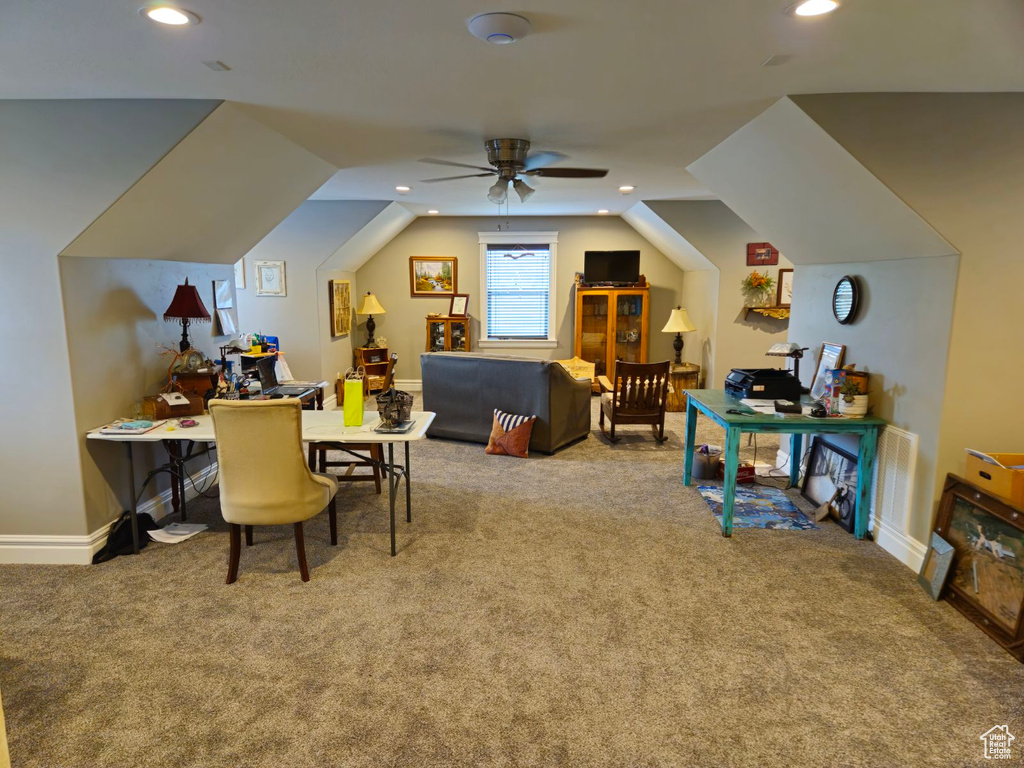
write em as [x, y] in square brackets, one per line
[579, 609]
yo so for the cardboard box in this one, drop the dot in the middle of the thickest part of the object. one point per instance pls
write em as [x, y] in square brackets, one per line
[1007, 483]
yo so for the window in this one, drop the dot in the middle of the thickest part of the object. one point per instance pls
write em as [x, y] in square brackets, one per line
[517, 280]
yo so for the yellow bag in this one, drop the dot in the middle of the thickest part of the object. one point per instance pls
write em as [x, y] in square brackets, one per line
[353, 405]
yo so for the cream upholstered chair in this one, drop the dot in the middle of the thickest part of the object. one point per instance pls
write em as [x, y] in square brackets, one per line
[264, 479]
[5, 758]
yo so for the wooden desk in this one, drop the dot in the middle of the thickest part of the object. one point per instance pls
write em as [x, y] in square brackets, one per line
[317, 427]
[714, 403]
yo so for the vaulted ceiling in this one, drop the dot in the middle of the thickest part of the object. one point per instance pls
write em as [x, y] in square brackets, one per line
[642, 89]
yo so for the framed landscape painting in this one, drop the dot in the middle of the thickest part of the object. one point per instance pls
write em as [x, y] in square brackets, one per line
[433, 275]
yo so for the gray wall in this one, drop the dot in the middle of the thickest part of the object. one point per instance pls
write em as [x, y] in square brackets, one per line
[387, 275]
[899, 337]
[305, 241]
[64, 163]
[114, 310]
[722, 237]
[958, 161]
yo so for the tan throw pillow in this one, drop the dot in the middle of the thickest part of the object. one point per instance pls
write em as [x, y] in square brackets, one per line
[510, 435]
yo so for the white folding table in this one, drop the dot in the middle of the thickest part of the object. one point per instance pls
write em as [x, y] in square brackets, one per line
[317, 427]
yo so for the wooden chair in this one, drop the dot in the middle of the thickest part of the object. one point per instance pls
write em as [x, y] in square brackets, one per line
[638, 396]
[263, 478]
[318, 451]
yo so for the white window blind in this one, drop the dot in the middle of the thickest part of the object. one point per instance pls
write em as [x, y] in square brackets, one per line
[518, 291]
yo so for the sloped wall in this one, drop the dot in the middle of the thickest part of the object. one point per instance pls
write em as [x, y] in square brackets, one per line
[211, 199]
[721, 237]
[305, 241]
[958, 160]
[801, 188]
[64, 163]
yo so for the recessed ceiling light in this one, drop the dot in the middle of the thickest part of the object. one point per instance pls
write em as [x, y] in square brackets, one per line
[815, 7]
[168, 14]
[403, 190]
[433, 212]
[626, 189]
[603, 211]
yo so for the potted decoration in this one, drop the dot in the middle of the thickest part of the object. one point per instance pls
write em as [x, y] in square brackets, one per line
[853, 401]
[758, 288]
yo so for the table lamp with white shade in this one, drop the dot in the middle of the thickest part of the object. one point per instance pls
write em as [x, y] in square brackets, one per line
[370, 306]
[678, 323]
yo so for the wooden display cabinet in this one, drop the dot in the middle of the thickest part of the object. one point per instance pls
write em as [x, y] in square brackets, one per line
[375, 361]
[448, 334]
[612, 324]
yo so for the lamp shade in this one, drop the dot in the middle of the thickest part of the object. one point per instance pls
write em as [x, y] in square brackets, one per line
[370, 306]
[679, 322]
[186, 305]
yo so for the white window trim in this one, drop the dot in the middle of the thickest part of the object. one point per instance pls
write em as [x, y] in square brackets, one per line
[511, 238]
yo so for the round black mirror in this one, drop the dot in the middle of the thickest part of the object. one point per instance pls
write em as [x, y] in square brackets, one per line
[844, 300]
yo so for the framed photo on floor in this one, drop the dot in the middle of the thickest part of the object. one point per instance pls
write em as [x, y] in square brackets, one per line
[935, 569]
[831, 478]
[987, 580]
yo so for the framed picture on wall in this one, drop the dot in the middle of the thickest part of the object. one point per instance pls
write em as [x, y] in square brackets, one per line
[270, 278]
[340, 297]
[240, 274]
[433, 275]
[784, 292]
[762, 255]
[830, 356]
[459, 306]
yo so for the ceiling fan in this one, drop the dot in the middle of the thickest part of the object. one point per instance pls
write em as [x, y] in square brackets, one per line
[510, 161]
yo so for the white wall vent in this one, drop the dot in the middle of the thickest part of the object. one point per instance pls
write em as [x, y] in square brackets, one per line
[893, 487]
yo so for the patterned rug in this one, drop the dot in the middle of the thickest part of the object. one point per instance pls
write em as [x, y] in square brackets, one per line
[758, 507]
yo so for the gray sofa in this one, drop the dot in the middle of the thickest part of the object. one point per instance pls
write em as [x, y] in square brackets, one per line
[463, 389]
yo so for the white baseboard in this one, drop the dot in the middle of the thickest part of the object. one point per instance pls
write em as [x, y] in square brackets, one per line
[78, 550]
[904, 548]
[52, 550]
[416, 384]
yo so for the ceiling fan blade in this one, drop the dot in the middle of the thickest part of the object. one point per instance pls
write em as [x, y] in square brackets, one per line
[542, 159]
[570, 173]
[452, 178]
[435, 161]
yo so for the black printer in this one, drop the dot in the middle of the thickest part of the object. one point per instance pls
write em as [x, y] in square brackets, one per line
[763, 384]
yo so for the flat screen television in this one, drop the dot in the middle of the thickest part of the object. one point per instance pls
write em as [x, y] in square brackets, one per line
[611, 267]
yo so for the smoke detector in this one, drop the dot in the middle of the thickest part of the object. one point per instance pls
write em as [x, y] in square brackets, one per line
[499, 28]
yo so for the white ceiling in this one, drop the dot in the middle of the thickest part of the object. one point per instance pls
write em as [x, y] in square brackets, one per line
[641, 88]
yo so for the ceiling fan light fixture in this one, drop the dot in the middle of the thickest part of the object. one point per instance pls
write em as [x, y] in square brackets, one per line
[524, 190]
[499, 192]
[499, 28]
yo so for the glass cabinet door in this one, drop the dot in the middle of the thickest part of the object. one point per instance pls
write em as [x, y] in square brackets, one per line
[435, 336]
[594, 332]
[459, 335]
[629, 335]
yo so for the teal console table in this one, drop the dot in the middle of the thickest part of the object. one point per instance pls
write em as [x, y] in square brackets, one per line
[714, 403]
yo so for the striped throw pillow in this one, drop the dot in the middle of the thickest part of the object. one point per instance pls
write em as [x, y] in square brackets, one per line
[510, 435]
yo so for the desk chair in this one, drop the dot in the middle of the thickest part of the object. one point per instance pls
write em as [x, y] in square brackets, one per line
[638, 396]
[318, 451]
[5, 758]
[263, 479]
